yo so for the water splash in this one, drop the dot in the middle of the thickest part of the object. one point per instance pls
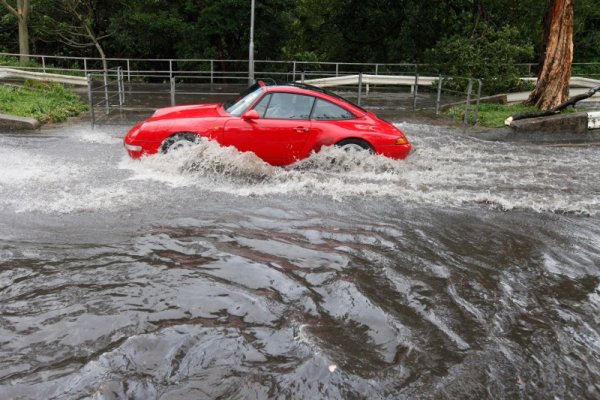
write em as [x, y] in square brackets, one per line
[443, 170]
[76, 173]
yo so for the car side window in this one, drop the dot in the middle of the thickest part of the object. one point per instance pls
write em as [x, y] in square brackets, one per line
[325, 110]
[289, 106]
[262, 105]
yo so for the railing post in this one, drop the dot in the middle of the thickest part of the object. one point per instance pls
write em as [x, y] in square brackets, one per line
[172, 91]
[170, 69]
[43, 64]
[468, 105]
[415, 92]
[337, 69]
[91, 99]
[439, 96]
[107, 104]
[302, 77]
[376, 69]
[360, 77]
[293, 71]
[480, 84]
[212, 72]
[128, 71]
[85, 66]
[120, 86]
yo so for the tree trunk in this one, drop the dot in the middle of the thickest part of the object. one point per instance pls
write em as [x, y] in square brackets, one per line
[552, 86]
[96, 43]
[23, 41]
[21, 12]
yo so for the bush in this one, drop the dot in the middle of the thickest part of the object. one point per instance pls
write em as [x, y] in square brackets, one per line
[491, 55]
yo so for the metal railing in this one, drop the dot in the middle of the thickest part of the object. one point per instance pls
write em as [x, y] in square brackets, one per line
[215, 71]
[114, 100]
[108, 95]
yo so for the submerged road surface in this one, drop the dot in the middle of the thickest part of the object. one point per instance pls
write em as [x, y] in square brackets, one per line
[469, 270]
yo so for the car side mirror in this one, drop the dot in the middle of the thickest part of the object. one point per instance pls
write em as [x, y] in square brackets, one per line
[250, 115]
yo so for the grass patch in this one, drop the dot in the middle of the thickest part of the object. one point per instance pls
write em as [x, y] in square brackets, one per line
[493, 115]
[46, 102]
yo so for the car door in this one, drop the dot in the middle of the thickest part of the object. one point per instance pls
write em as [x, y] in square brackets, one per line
[279, 134]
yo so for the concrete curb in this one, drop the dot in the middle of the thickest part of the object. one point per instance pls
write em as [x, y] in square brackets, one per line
[560, 129]
[14, 123]
[575, 123]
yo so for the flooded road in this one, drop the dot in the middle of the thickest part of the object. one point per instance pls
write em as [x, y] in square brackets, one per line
[469, 270]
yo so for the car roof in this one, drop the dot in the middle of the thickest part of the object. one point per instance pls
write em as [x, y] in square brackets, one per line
[302, 88]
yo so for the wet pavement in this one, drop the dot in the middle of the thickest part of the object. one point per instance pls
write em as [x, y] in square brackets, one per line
[469, 270]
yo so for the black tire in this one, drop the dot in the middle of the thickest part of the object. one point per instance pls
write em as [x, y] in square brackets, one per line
[354, 145]
[177, 141]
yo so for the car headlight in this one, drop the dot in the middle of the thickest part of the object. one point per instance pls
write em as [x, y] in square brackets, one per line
[401, 140]
[131, 147]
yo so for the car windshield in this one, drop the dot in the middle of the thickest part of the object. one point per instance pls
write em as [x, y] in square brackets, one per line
[237, 106]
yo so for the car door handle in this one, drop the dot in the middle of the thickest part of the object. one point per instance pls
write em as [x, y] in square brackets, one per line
[301, 129]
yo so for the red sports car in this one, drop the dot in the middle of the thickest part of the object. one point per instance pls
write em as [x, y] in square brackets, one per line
[279, 123]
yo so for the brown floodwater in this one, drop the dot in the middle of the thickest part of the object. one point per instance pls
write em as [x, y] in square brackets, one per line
[469, 270]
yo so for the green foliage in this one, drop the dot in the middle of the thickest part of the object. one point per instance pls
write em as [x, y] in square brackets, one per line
[586, 35]
[47, 102]
[490, 115]
[8, 61]
[587, 70]
[478, 38]
[492, 55]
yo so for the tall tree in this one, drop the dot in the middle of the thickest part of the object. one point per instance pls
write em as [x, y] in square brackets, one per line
[554, 75]
[21, 12]
[75, 23]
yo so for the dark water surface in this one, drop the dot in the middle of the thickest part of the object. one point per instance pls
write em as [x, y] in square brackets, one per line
[469, 270]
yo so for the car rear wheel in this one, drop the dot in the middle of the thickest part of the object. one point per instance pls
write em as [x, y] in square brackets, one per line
[355, 145]
[178, 141]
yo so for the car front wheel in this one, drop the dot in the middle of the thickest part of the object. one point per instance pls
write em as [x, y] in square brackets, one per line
[178, 141]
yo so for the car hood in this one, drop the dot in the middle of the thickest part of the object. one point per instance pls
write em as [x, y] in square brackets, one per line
[192, 111]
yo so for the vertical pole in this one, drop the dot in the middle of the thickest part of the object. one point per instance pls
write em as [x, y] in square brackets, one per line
[121, 86]
[128, 71]
[251, 47]
[212, 72]
[415, 92]
[91, 99]
[439, 96]
[376, 69]
[85, 67]
[337, 69]
[106, 102]
[44, 64]
[302, 77]
[468, 105]
[479, 85]
[172, 91]
[294, 71]
[360, 76]
[170, 69]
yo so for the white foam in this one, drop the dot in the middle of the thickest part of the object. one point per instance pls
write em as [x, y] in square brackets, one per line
[80, 199]
[443, 170]
[21, 168]
[98, 137]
